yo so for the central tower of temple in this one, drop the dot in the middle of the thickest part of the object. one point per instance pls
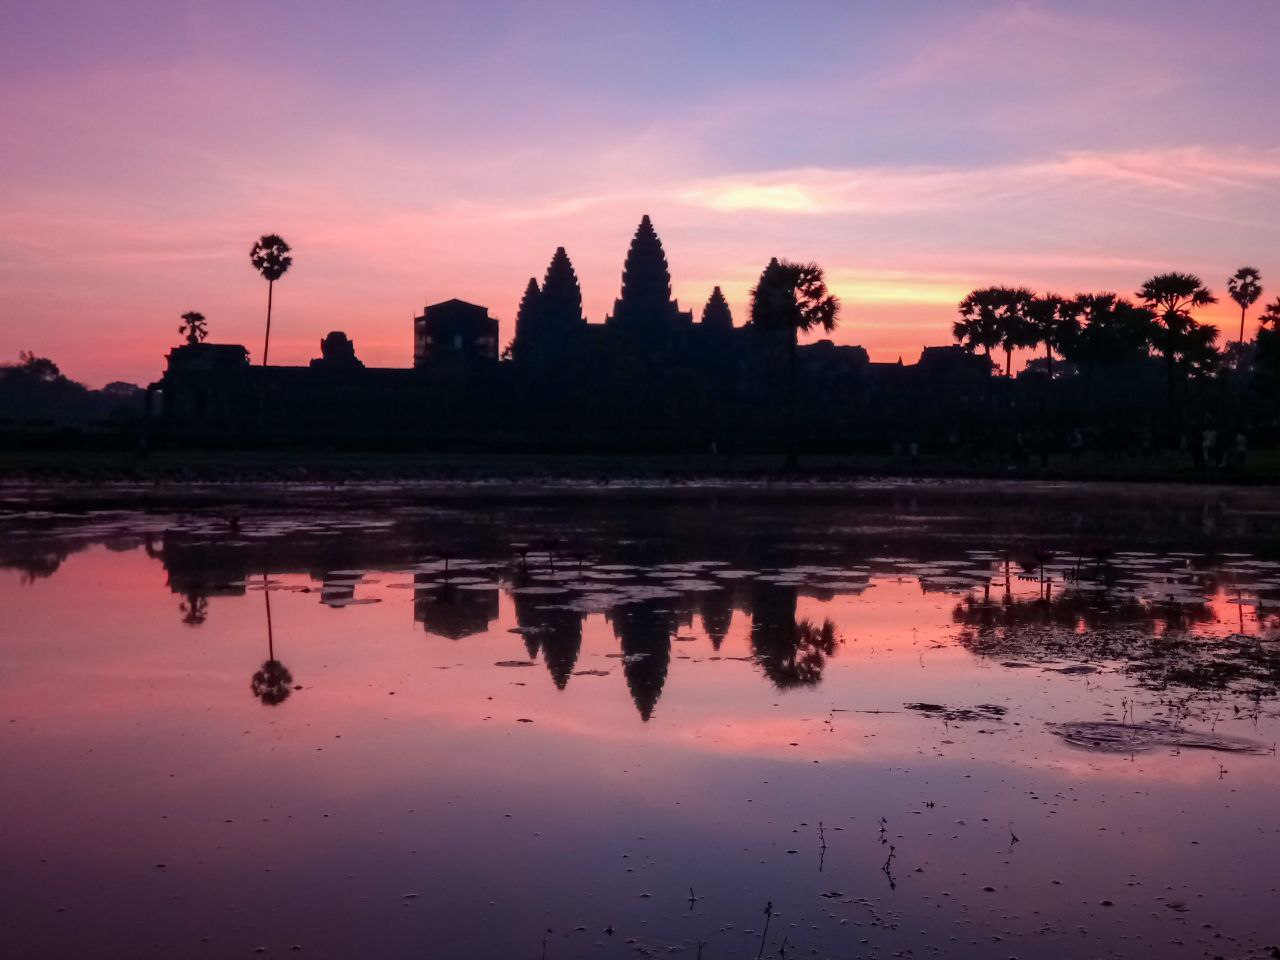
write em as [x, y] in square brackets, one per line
[646, 311]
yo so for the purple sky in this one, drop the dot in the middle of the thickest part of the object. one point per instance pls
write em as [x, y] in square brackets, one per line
[412, 152]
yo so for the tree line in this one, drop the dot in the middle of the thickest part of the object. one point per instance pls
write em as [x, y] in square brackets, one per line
[1105, 329]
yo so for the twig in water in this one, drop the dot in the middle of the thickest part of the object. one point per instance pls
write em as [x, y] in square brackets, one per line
[768, 915]
[888, 867]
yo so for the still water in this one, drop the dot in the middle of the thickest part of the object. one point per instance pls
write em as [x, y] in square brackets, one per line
[915, 723]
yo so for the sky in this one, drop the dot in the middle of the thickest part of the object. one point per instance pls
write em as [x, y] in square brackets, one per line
[415, 151]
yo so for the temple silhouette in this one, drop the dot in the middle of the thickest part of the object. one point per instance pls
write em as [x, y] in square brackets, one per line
[650, 376]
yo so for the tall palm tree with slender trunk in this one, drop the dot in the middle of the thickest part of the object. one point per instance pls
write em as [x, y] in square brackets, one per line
[791, 299]
[1245, 287]
[270, 257]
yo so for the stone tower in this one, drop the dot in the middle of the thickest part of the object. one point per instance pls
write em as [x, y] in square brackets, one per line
[716, 314]
[646, 311]
[550, 321]
[526, 317]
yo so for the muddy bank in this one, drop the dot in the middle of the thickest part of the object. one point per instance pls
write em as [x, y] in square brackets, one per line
[321, 466]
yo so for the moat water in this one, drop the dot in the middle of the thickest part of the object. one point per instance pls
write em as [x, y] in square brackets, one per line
[926, 724]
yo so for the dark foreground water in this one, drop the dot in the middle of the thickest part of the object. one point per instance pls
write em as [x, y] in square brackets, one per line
[921, 723]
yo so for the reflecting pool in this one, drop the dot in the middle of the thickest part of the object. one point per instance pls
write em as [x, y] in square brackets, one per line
[915, 723]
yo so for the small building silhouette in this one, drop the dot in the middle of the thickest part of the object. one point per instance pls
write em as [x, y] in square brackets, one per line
[337, 352]
[454, 329]
[216, 359]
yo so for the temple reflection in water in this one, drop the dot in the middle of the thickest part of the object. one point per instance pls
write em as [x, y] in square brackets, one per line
[1148, 611]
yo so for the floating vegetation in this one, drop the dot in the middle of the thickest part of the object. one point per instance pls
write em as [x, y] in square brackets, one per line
[1112, 737]
[983, 711]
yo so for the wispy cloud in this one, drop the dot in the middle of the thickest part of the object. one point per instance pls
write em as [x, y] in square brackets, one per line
[889, 190]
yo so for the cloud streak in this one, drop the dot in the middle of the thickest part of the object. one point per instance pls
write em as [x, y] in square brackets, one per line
[1190, 173]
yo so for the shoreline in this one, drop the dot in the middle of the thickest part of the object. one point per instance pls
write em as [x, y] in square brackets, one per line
[98, 466]
[83, 483]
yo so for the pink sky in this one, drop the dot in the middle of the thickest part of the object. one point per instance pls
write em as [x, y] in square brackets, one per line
[411, 155]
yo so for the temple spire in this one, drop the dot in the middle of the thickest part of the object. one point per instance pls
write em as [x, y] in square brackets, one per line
[645, 306]
[560, 305]
[646, 279]
[716, 314]
[526, 315]
[550, 319]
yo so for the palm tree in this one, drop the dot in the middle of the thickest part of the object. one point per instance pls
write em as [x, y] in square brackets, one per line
[996, 317]
[1271, 316]
[978, 326]
[272, 682]
[1245, 287]
[1054, 322]
[1173, 295]
[1113, 331]
[1268, 353]
[1015, 323]
[1183, 343]
[193, 327]
[270, 257]
[792, 298]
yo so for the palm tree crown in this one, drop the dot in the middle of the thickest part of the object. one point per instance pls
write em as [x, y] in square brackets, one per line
[996, 317]
[270, 256]
[1271, 316]
[1112, 330]
[1245, 287]
[1054, 322]
[193, 327]
[1173, 295]
[1176, 336]
[793, 297]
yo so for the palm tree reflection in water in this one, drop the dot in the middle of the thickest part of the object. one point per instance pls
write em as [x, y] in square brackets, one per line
[791, 651]
[272, 682]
